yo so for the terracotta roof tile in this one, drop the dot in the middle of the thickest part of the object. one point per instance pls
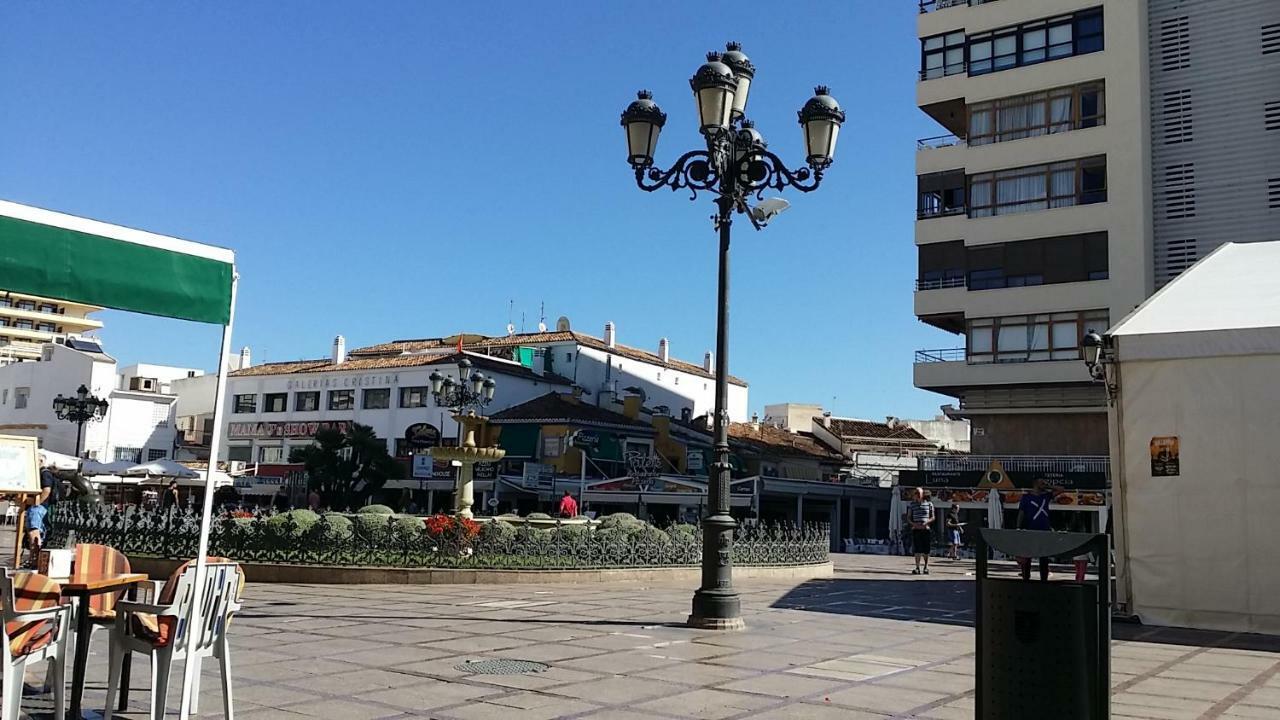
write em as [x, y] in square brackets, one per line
[554, 407]
[868, 429]
[776, 441]
[395, 362]
[476, 342]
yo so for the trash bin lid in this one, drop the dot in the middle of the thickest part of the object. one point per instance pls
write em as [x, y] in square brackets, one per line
[1037, 543]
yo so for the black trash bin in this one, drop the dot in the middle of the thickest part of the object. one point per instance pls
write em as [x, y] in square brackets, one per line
[1043, 648]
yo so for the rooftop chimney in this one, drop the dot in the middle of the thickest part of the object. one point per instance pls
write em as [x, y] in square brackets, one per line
[826, 420]
[664, 350]
[755, 422]
[709, 362]
[609, 334]
[244, 357]
[339, 350]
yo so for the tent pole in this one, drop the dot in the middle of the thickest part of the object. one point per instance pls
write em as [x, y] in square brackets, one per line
[219, 397]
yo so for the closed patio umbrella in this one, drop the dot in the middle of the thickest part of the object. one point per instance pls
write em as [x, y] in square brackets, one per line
[895, 516]
[995, 510]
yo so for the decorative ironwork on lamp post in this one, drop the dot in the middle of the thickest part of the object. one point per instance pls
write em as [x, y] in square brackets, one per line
[80, 409]
[471, 392]
[735, 166]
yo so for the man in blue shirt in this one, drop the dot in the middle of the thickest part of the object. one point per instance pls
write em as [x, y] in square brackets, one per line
[1033, 514]
[37, 511]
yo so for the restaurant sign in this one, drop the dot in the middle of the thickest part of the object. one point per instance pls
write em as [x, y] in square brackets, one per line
[422, 435]
[276, 430]
[1073, 480]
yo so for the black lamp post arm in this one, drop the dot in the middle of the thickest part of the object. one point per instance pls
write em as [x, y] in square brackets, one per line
[693, 170]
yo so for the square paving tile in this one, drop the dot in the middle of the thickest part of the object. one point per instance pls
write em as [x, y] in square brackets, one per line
[709, 704]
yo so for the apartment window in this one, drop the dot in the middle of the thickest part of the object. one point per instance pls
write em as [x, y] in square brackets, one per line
[376, 399]
[275, 402]
[20, 397]
[940, 194]
[5, 302]
[240, 453]
[246, 403]
[568, 357]
[1034, 114]
[1032, 338]
[4, 322]
[155, 454]
[306, 401]
[24, 324]
[342, 399]
[942, 265]
[46, 327]
[1035, 42]
[26, 305]
[48, 309]
[942, 55]
[271, 454]
[552, 447]
[1038, 187]
[413, 397]
[128, 454]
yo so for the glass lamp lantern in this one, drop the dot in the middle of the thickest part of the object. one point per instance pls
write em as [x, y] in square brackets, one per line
[743, 71]
[821, 118]
[490, 387]
[436, 381]
[1091, 344]
[714, 87]
[643, 121]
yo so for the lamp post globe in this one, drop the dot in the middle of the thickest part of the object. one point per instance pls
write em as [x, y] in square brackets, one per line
[743, 71]
[821, 118]
[643, 121]
[713, 89]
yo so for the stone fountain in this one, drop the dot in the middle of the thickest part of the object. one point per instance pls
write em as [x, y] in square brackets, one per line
[467, 454]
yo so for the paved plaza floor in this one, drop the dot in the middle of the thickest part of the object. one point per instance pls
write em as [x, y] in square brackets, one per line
[872, 642]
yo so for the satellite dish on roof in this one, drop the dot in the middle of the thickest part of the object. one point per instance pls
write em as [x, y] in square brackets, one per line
[511, 328]
[562, 325]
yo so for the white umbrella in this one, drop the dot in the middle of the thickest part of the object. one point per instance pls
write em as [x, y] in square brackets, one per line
[58, 461]
[995, 510]
[163, 467]
[117, 467]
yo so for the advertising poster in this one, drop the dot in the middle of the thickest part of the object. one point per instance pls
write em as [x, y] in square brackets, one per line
[1164, 456]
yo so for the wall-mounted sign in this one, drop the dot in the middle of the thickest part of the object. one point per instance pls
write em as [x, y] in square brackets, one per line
[538, 476]
[425, 467]
[1164, 456]
[347, 381]
[268, 430]
[19, 465]
[422, 435]
[1024, 479]
[485, 471]
[693, 459]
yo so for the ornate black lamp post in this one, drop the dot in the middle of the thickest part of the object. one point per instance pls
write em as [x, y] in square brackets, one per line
[469, 393]
[735, 165]
[80, 409]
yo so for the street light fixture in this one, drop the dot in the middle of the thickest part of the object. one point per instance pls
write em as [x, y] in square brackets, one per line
[1096, 358]
[470, 392]
[735, 165]
[79, 409]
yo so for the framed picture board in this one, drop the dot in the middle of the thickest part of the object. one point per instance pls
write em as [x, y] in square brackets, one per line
[19, 465]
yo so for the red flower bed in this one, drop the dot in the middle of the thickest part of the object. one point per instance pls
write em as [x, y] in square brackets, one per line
[450, 526]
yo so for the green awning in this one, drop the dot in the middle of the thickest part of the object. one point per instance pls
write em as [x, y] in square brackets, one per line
[520, 440]
[65, 257]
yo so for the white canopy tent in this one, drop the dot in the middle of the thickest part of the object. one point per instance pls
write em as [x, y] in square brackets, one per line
[58, 461]
[93, 468]
[75, 259]
[1194, 455]
[162, 468]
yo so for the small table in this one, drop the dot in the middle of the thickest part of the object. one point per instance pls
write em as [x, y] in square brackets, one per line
[82, 587]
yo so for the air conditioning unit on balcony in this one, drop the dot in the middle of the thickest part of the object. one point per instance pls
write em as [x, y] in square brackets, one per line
[144, 384]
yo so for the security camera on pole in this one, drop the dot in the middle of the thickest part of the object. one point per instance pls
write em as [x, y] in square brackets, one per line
[735, 166]
[470, 392]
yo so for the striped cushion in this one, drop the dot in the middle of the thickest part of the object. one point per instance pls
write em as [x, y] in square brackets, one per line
[32, 591]
[95, 561]
[159, 629]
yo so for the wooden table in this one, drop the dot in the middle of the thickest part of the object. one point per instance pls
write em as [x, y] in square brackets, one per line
[83, 587]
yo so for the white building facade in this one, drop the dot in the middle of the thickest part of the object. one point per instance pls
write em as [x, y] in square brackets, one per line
[138, 425]
[28, 321]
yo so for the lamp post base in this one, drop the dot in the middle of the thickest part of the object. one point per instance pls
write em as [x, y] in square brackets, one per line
[714, 610]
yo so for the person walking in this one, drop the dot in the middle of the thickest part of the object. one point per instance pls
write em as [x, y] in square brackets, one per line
[37, 511]
[568, 506]
[169, 499]
[920, 516]
[954, 526]
[281, 500]
[1033, 514]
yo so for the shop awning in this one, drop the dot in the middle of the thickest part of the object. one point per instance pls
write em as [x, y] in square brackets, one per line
[71, 258]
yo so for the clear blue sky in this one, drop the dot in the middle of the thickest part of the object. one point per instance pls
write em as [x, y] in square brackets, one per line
[405, 169]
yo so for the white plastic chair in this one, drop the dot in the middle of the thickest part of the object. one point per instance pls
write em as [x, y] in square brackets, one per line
[37, 590]
[11, 514]
[159, 630]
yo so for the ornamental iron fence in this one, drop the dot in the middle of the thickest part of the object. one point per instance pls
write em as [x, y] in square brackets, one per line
[337, 539]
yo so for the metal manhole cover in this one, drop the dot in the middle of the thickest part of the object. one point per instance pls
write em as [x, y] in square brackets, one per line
[500, 667]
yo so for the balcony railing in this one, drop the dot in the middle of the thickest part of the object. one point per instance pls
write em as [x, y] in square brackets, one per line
[940, 141]
[936, 72]
[935, 211]
[943, 355]
[952, 282]
[928, 6]
[1015, 463]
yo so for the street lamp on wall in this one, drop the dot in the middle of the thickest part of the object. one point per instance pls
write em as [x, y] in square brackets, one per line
[735, 166]
[1101, 364]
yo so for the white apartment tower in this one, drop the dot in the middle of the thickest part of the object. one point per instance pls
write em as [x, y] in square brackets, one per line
[1095, 149]
[29, 321]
